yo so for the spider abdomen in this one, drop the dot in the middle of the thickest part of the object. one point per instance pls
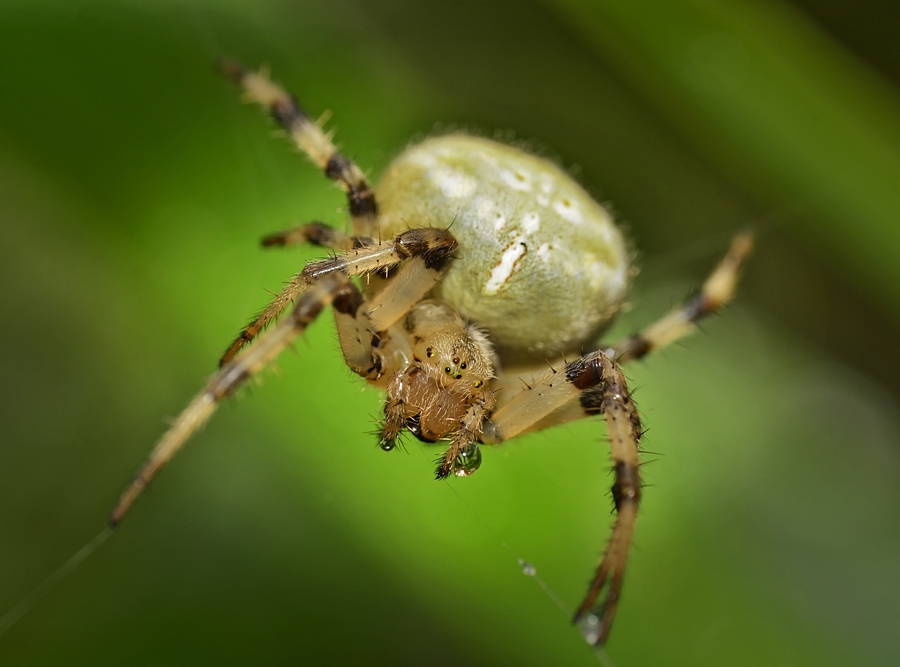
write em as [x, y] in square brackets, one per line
[540, 264]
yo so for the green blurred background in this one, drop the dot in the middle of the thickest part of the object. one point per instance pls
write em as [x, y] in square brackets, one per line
[134, 189]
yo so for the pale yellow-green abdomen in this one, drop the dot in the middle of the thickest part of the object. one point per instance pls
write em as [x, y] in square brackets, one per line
[540, 264]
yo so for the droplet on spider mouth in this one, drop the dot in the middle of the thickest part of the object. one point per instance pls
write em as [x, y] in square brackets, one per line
[468, 461]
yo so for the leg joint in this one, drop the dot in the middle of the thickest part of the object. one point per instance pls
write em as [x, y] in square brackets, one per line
[348, 300]
[585, 372]
[434, 246]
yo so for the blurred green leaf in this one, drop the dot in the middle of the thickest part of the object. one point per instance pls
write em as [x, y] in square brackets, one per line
[773, 100]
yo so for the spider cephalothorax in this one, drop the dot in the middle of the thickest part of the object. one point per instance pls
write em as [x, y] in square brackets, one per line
[443, 392]
[469, 347]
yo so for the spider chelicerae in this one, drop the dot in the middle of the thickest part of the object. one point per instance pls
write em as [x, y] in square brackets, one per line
[475, 335]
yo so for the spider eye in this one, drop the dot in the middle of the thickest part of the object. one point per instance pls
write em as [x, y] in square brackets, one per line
[455, 360]
[429, 352]
[463, 365]
[447, 370]
[459, 377]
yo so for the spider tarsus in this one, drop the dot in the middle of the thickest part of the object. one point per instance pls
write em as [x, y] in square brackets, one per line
[594, 624]
[278, 239]
[637, 346]
[444, 466]
[317, 233]
[235, 347]
[138, 484]
[231, 69]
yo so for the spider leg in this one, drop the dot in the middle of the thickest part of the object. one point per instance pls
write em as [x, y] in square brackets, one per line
[470, 428]
[361, 324]
[598, 384]
[612, 399]
[429, 251]
[716, 292]
[395, 415]
[317, 233]
[431, 244]
[229, 378]
[597, 380]
[310, 138]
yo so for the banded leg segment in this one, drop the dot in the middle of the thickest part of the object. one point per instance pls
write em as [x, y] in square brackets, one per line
[598, 384]
[317, 233]
[310, 138]
[430, 244]
[717, 291]
[227, 380]
[607, 393]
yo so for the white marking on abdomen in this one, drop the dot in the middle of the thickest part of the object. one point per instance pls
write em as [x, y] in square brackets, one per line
[544, 251]
[568, 212]
[531, 222]
[455, 186]
[501, 273]
[516, 181]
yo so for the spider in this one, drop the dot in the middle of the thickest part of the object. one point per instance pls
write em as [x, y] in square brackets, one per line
[450, 324]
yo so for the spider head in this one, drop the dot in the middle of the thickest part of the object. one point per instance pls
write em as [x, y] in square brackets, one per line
[459, 361]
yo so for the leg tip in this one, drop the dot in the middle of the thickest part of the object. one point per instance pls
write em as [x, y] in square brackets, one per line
[230, 69]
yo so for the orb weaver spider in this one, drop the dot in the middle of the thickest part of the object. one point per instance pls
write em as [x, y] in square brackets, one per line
[542, 270]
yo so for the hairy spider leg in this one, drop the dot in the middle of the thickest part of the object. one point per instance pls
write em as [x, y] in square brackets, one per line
[357, 260]
[317, 233]
[598, 384]
[310, 138]
[359, 324]
[227, 380]
[597, 381]
[717, 291]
